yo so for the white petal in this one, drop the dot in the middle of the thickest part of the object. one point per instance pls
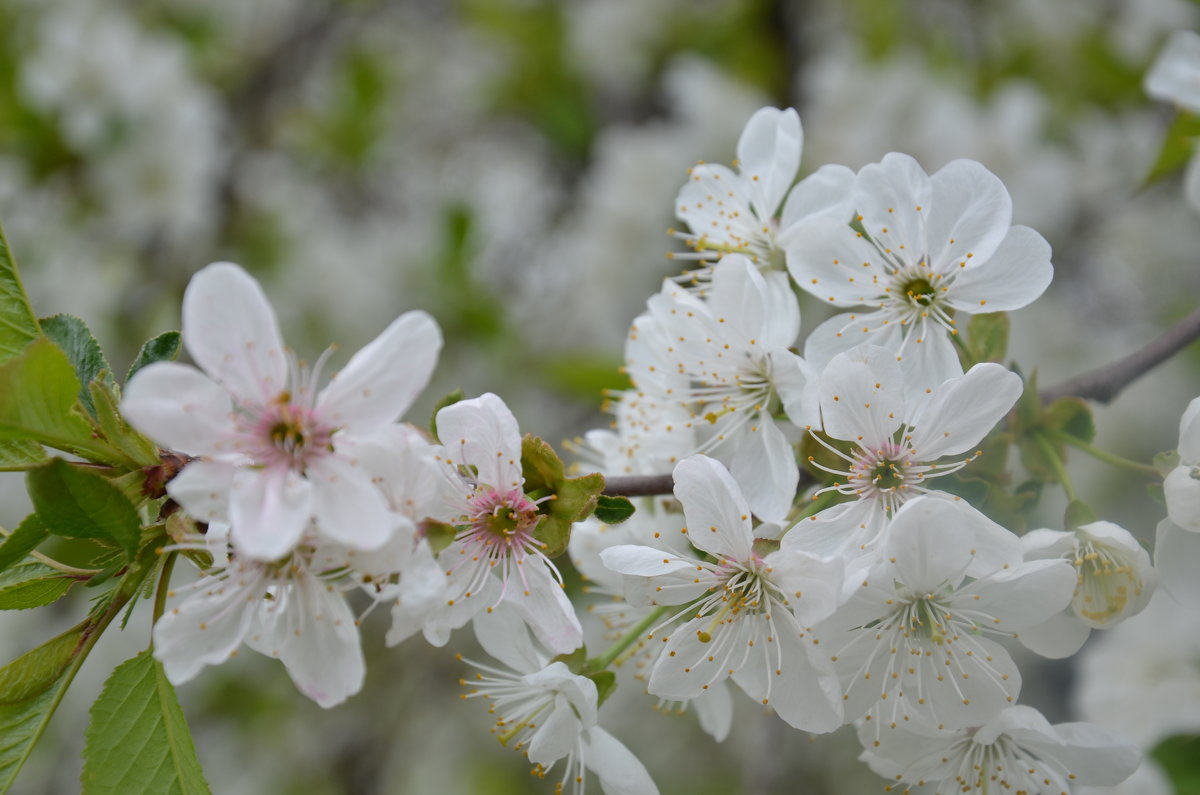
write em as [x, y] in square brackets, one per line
[620, 772]
[268, 511]
[1023, 596]
[545, 607]
[555, 736]
[503, 634]
[348, 506]
[812, 584]
[971, 213]
[1191, 182]
[482, 432]
[230, 330]
[717, 515]
[862, 396]
[381, 381]
[688, 665]
[893, 197]
[714, 711]
[764, 466]
[927, 545]
[1175, 75]
[795, 382]
[846, 331]
[830, 260]
[202, 488]
[827, 192]
[1058, 638]
[205, 629]
[768, 157]
[1096, 755]
[1177, 558]
[179, 407]
[1182, 492]
[928, 358]
[963, 410]
[1015, 276]
[1189, 432]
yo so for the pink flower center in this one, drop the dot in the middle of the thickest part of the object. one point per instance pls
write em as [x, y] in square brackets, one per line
[288, 434]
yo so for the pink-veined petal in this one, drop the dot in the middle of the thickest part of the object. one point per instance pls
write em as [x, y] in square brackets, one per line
[381, 381]
[230, 330]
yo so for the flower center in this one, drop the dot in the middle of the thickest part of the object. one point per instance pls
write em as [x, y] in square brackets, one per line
[503, 516]
[289, 434]
[919, 291]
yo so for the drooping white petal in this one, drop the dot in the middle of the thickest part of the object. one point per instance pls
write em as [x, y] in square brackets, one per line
[959, 413]
[503, 634]
[482, 432]
[970, 214]
[381, 381]
[717, 515]
[268, 511]
[1015, 276]
[180, 408]
[230, 330]
[714, 711]
[348, 506]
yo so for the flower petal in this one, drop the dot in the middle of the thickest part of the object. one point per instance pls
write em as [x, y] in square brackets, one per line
[268, 511]
[348, 506]
[202, 488]
[180, 408]
[971, 213]
[205, 629]
[960, 412]
[1015, 276]
[230, 330]
[862, 396]
[716, 513]
[768, 157]
[482, 432]
[827, 192]
[764, 466]
[620, 772]
[893, 198]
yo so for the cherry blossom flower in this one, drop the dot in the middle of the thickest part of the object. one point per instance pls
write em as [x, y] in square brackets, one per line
[1177, 545]
[897, 443]
[273, 452]
[496, 555]
[292, 609]
[1016, 750]
[730, 212]
[912, 641]
[1175, 78]
[1114, 581]
[749, 612]
[929, 247]
[730, 367]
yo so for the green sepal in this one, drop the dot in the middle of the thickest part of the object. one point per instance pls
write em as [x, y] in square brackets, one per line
[1072, 416]
[448, 400]
[574, 660]
[18, 324]
[140, 451]
[1156, 492]
[1177, 148]
[163, 348]
[564, 500]
[75, 503]
[438, 535]
[138, 739]
[75, 339]
[17, 455]
[987, 337]
[606, 685]
[1078, 513]
[1166, 461]
[39, 396]
[32, 584]
[613, 510]
[20, 542]
[764, 546]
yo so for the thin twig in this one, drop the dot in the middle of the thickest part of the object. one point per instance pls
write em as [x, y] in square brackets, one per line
[1105, 383]
[639, 485]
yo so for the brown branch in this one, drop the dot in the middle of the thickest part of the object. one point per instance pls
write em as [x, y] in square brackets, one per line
[654, 485]
[1105, 383]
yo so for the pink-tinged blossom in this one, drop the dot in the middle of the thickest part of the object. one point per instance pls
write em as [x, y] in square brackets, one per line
[750, 613]
[900, 444]
[292, 609]
[1016, 750]
[913, 640]
[926, 251]
[730, 212]
[496, 555]
[273, 452]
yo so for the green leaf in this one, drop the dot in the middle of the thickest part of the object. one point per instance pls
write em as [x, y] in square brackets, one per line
[140, 451]
[987, 336]
[38, 396]
[138, 739]
[163, 348]
[564, 500]
[613, 510]
[1179, 756]
[75, 339]
[31, 584]
[1072, 416]
[540, 465]
[20, 542]
[1177, 148]
[79, 504]
[20, 454]
[18, 325]
[30, 688]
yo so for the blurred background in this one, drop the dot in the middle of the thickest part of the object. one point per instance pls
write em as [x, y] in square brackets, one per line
[510, 166]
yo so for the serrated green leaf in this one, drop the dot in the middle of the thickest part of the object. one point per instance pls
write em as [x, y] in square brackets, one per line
[613, 510]
[987, 336]
[79, 504]
[138, 739]
[31, 584]
[20, 542]
[35, 671]
[75, 339]
[1072, 416]
[163, 348]
[141, 451]
[17, 455]
[18, 324]
[38, 395]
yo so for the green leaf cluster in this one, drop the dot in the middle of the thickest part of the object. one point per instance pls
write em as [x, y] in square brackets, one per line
[564, 500]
